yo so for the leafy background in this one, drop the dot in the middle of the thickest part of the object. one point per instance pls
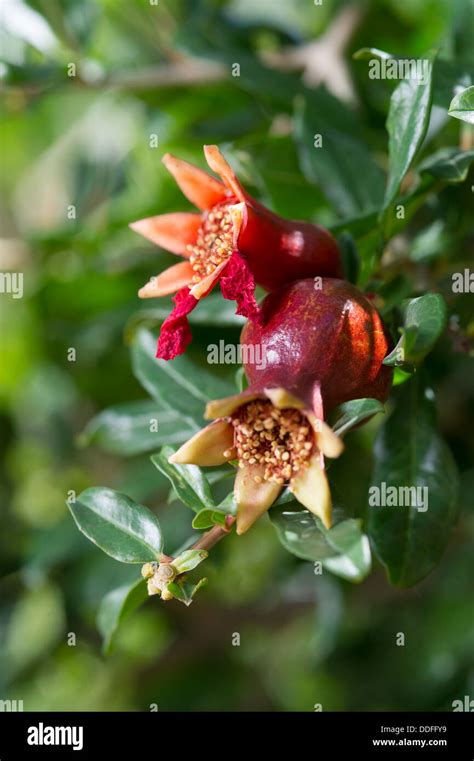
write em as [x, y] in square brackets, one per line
[306, 639]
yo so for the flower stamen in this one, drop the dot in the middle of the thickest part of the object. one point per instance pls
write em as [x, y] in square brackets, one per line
[281, 440]
[214, 242]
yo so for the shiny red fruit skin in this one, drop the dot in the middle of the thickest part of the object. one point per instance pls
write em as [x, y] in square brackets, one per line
[325, 345]
[280, 251]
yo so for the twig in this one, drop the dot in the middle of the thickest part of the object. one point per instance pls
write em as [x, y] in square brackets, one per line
[207, 540]
[210, 538]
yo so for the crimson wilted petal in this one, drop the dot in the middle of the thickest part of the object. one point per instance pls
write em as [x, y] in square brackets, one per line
[175, 332]
[237, 284]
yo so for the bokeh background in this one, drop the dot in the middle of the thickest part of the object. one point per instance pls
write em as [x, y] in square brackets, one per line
[143, 71]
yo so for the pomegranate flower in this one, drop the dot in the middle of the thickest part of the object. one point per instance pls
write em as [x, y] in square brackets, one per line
[322, 348]
[234, 240]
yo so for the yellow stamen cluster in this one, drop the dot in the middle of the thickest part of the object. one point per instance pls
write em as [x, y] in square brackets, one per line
[213, 244]
[281, 440]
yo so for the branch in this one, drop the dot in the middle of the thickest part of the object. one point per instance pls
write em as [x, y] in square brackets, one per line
[210, 538]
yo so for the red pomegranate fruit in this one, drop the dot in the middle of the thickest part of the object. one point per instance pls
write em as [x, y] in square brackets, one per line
[234, 240]
[320, 343]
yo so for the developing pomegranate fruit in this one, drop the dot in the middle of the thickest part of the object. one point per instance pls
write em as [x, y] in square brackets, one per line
[234, 240]
[319, 343]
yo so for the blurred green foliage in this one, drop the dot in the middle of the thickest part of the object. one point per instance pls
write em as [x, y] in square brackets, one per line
[84, 140]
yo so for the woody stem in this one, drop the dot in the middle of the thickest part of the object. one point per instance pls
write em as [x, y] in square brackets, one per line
[210, 538]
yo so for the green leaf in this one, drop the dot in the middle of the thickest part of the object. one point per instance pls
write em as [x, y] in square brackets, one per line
[124, 530]
[354, 412]
[136, 427]
[353, 561]
[207, 518]
[189, 559]
[449, 164]
[116, 606]
[448, 76]
[184, 591]
[424, 321]
[189, 482]
[342, 167]
[344, 549]
[407, 122]
[462, 105]
[178, 384]
[409, 452]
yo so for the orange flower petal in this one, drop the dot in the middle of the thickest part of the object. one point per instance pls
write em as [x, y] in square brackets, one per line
[252, 498]
[224, 407]
[169, 281]
[213, 445]
[220, 166]
[310, 487]
[327, 441]
[198, 186]
[174, 232]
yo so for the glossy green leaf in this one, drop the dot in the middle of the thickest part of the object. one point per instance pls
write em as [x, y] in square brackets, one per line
[354, 412]
[448, 164]
[184, 590]
[135, 427]
[448, 76]
[207, 518]
[179, 384]
[189, 482]
[407, 122]
[462, 105]
[203, 519]
[189, 559]
[116, 606]
[344, 549]
[124, 530]
[409, 452]
[424, 321]
[342, 167]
